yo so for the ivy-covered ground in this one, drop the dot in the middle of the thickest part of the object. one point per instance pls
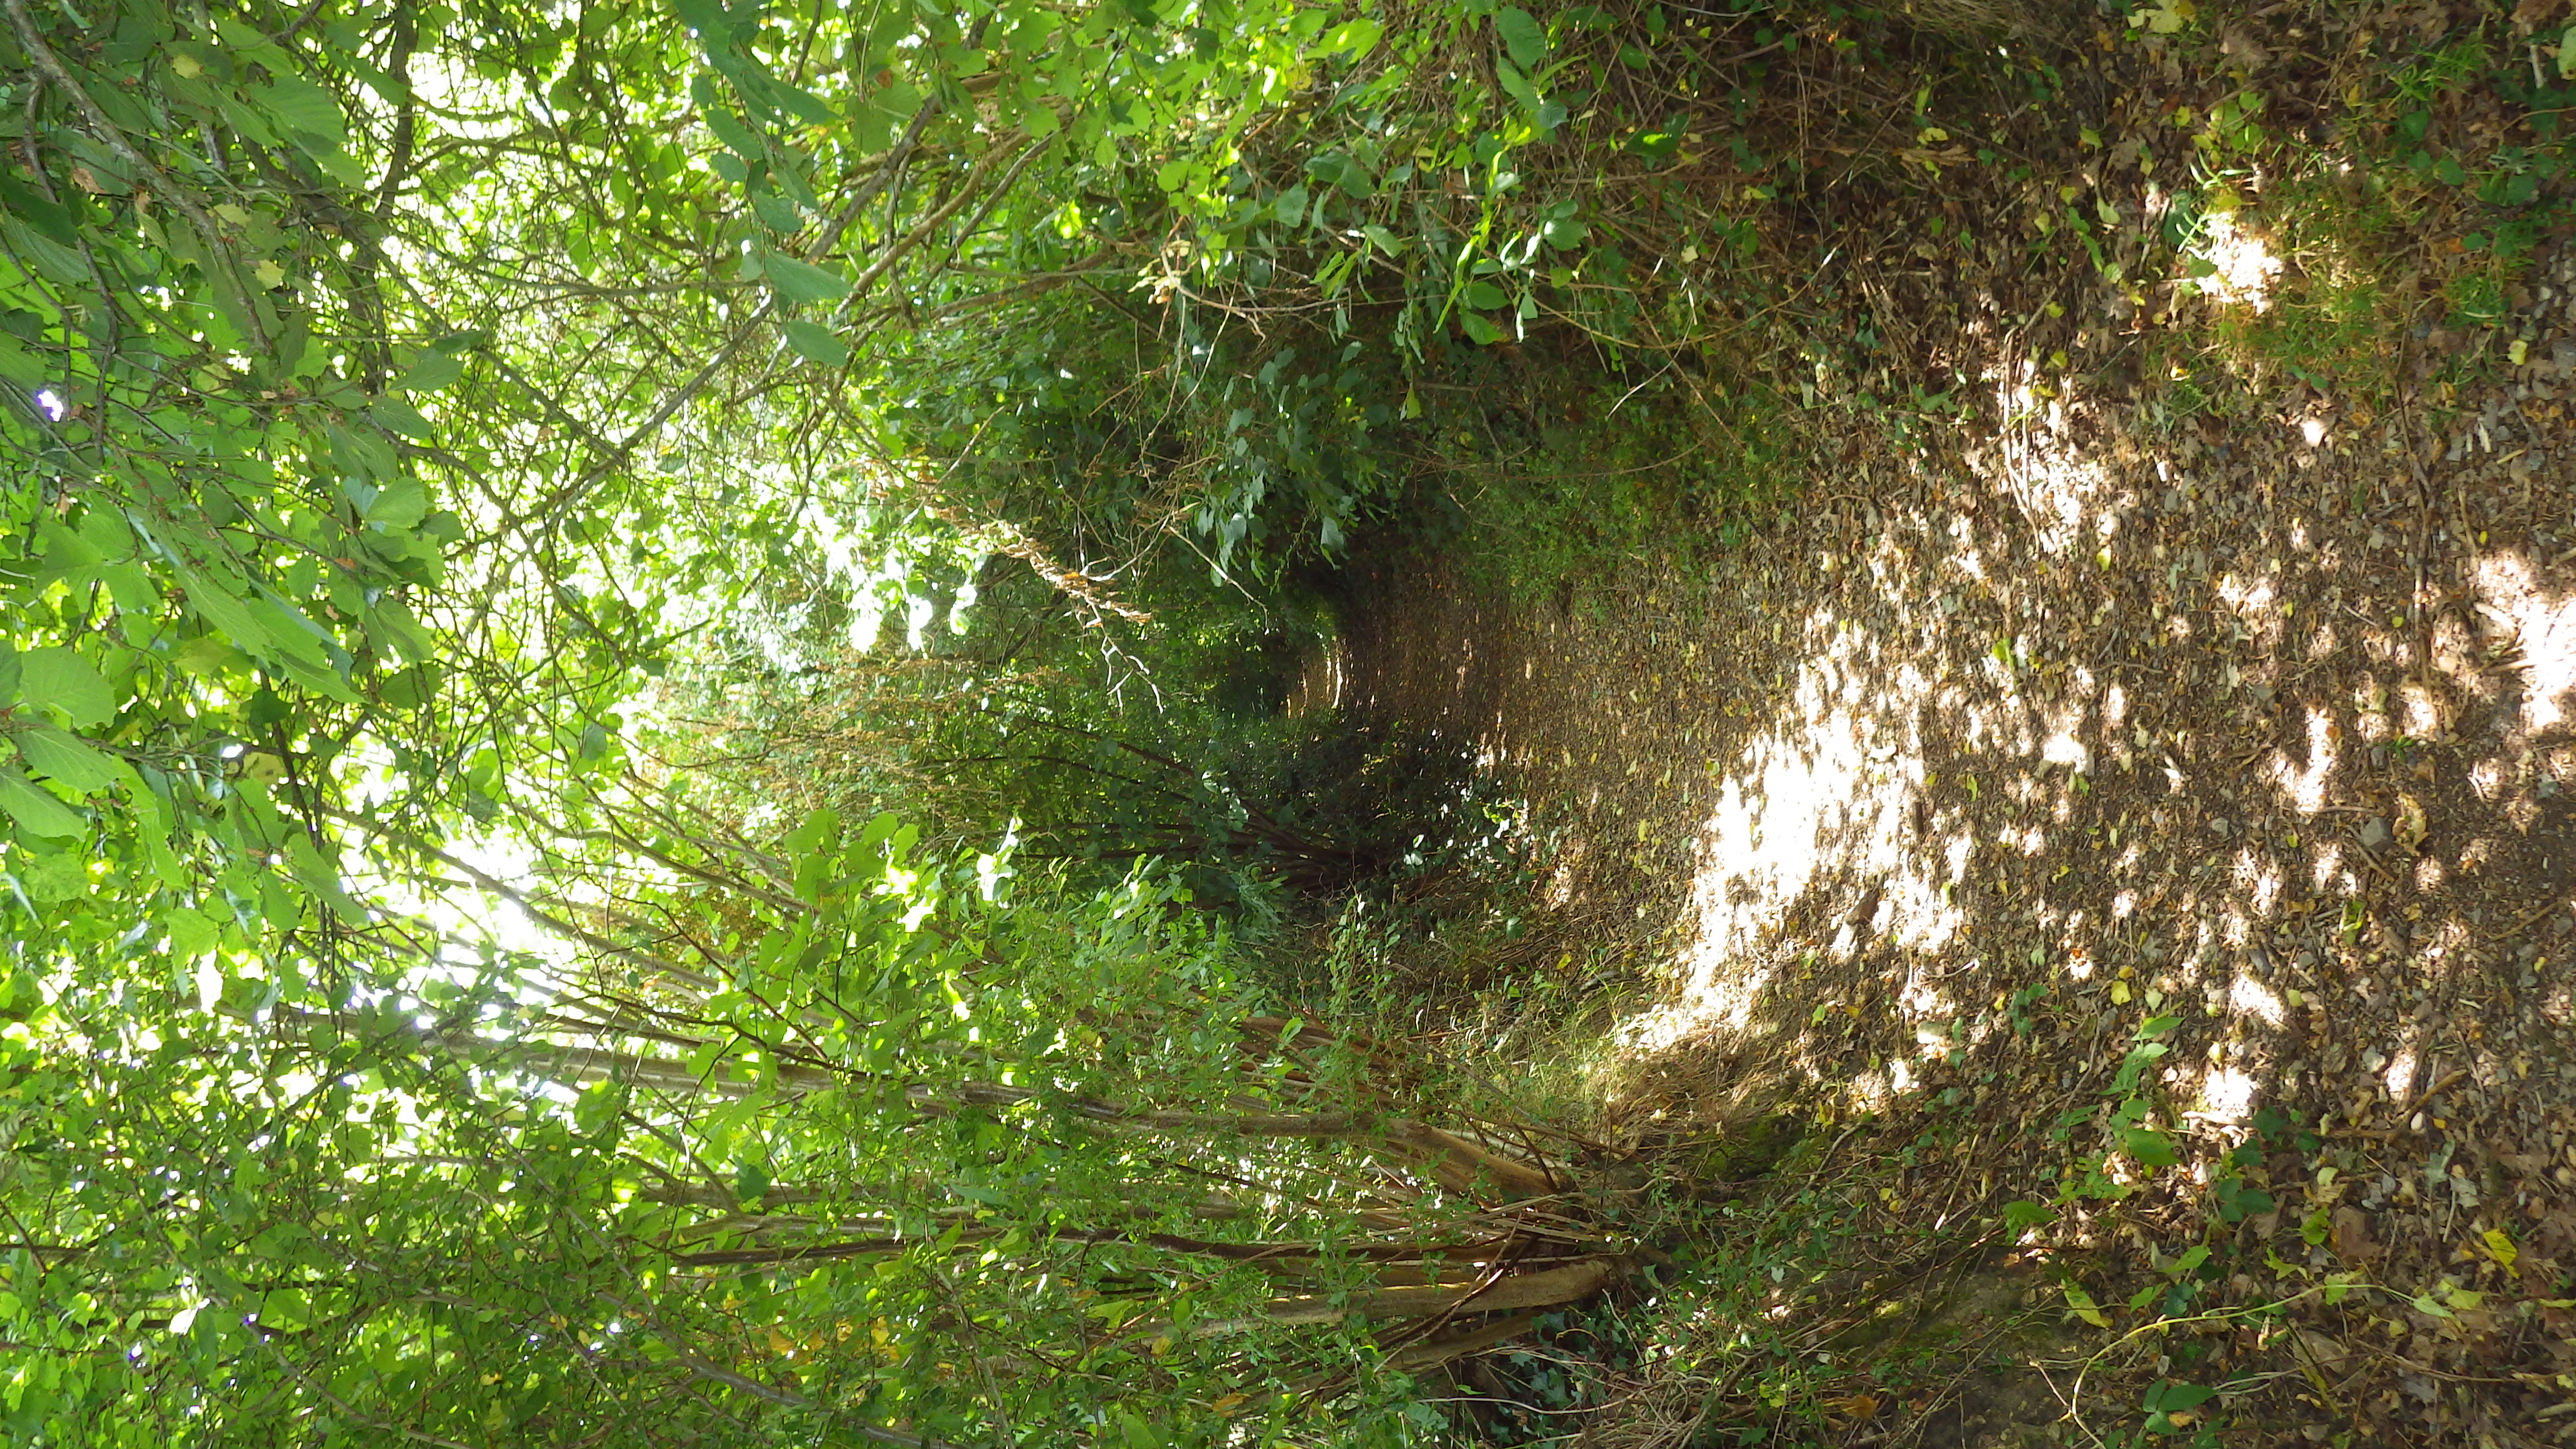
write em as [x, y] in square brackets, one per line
[2124, 800]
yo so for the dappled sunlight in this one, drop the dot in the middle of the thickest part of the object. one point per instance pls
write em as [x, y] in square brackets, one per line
[2545, 627]
[2087, 728]
[2242, 264]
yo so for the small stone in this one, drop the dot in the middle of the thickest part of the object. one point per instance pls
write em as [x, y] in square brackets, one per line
[2374, 833]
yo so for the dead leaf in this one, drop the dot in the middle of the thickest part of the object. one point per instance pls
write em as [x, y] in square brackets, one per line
[2241, 48]
[2410, 822]
[2352, 1240]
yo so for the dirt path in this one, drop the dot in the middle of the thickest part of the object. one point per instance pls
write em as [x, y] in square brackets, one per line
[1956, 781]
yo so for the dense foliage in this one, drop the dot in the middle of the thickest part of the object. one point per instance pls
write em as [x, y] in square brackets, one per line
[436, 432]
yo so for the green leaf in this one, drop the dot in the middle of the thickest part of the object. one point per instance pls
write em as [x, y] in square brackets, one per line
[2020, 1217]
[751, 1180]
[226, 612]
[802, 282]
[56, 678]
[401, 504]
[36, 812]
[301, 106]
[192, 932]
[2172, 1398]
[431, 369]
[1354, 38]
[738, 138]
[10, 675]
[310, 868]
[1486, 295]
[815, 343]
[78, 767]
[412, 688]
[2081, 1304]
[21, 366]
[397, 416]
[1522, 36]
[1479, 328]
[2148, 1147]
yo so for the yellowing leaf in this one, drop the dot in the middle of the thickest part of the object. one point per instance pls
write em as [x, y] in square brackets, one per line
[270, 274]
[2081, 1304]
[2500, 1248]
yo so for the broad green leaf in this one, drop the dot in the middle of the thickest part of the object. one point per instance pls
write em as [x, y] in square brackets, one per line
[77, 766]
[1522, 36]
[2022, 1216]
[319, 874]
[802, 282]
[56, 678]
[2148, 1147]
[22, 366]
[227, 612]
[735, 136]
[2172, 1398]
[401, 504]
[431, 369]
[393, 622]
[35, 811]
[302, 106]
[398, 416]
[1354, 38]
[815, 343]
[192, 933]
